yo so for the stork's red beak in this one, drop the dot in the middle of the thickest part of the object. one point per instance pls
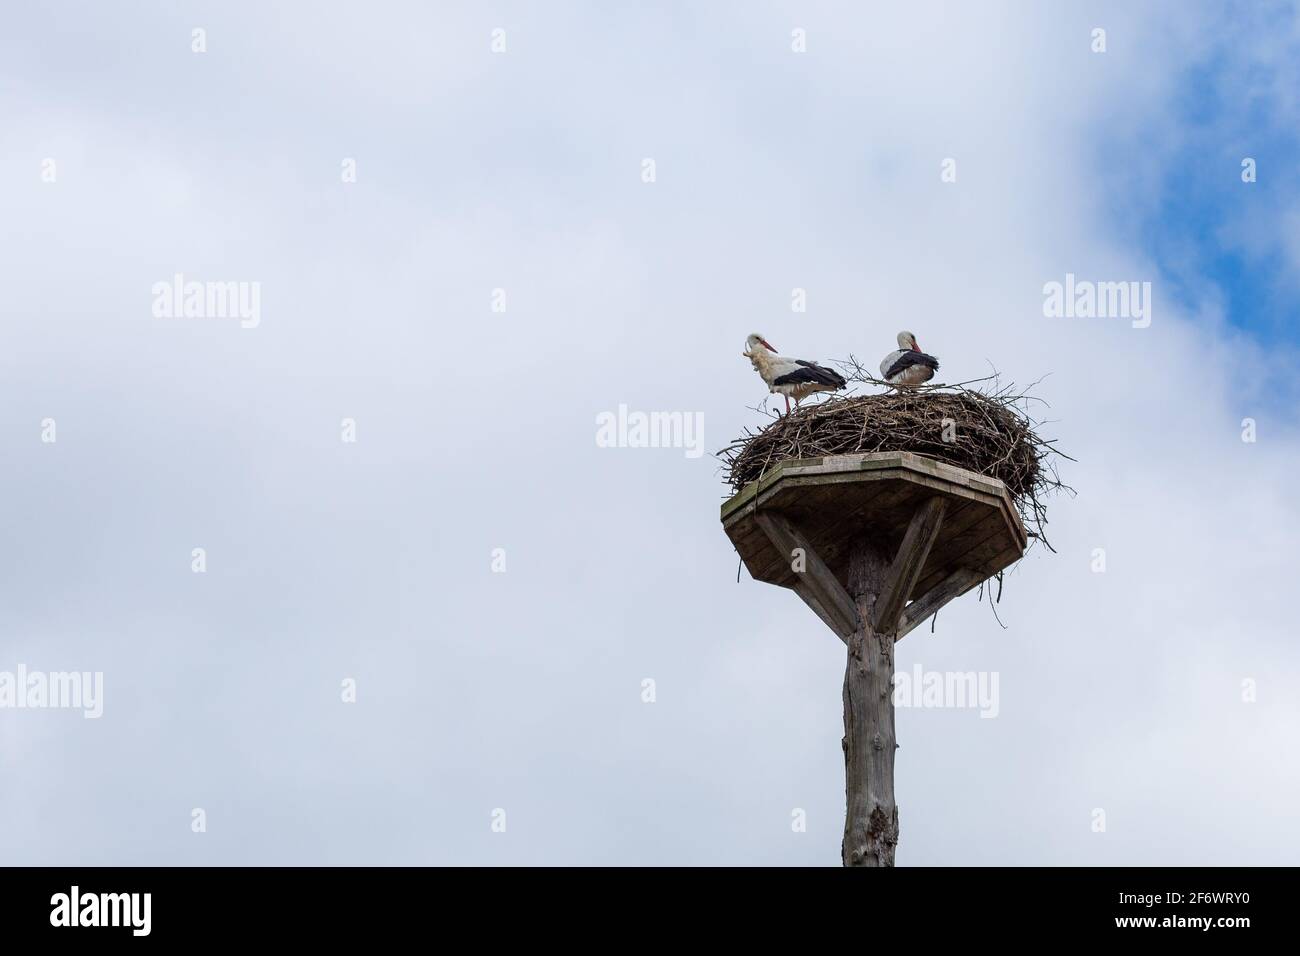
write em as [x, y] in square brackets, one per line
[915, 347]
[767, 345]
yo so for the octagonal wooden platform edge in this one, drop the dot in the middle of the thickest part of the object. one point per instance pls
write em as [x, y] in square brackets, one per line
[835, 499]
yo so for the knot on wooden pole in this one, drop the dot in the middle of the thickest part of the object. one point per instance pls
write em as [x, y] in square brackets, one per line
[883, 828]
[877, 843]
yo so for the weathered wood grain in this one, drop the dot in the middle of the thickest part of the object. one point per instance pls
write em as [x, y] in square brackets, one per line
[908, 562]
[975, 549]
[954, 585]
[860, 467]
[808, 597]
[833, 501]
[816, 577]
[871, 815]
[829, 522]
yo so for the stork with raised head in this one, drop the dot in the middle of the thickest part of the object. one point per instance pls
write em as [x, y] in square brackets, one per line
[909, 365]
[787, 376]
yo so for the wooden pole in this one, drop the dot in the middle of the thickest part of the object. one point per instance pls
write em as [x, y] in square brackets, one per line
[879, 587]
[871, 818]
[851, 508]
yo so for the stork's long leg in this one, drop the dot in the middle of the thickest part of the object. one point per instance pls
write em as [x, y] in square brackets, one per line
[787, 404]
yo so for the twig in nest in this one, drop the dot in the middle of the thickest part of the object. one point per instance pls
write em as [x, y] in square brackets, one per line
[981, 425]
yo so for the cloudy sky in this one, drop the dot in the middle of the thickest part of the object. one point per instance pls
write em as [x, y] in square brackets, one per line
[1161, 691]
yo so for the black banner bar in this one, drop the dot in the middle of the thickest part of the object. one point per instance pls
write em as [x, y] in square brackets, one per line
[209, 905]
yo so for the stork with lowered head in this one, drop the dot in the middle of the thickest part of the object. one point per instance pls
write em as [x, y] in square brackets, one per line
[789, 377]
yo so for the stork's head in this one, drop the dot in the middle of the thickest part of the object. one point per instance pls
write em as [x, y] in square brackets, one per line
[906, 340]
[756, 341]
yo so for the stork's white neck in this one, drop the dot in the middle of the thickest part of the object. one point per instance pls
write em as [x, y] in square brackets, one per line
[764, 362]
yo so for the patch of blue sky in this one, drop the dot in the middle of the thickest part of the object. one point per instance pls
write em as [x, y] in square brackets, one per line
[1216, 237]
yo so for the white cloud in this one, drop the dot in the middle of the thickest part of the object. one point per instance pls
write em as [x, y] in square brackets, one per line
[475, 429]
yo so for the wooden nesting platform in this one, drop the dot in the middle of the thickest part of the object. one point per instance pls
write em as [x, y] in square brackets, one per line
[947, 529]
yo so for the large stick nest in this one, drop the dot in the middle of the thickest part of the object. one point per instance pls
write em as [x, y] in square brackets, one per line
[986, 430]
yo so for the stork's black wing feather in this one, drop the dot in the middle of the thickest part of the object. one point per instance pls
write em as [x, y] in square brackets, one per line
[910, 358]
[811, 372]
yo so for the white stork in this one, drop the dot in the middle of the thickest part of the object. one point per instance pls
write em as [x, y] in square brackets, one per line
[786, 376]
[909, 365]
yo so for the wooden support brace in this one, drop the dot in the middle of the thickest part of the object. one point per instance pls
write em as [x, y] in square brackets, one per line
[816, 584]
[907, 565]
[954, 585]
[802, 589]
